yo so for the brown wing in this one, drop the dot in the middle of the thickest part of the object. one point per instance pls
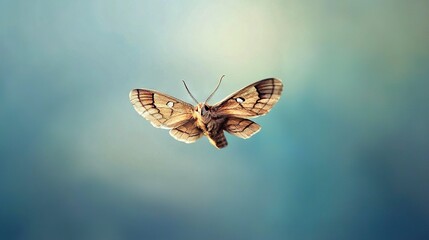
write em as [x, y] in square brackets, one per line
[187, 132]
[161, 110]
[240, 127]
[254, 100]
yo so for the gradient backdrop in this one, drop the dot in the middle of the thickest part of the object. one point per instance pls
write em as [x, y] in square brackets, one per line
[343, 155]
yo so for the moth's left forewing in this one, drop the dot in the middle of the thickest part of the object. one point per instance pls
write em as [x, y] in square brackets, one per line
[255, 100]
[162, 110]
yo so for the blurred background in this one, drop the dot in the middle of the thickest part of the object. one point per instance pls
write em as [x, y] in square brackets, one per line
[343, 155]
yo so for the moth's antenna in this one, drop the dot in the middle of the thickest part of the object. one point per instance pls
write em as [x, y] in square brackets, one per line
[211, 95]
[187, 89]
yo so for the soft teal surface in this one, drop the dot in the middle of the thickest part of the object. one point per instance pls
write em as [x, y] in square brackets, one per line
[343, 155]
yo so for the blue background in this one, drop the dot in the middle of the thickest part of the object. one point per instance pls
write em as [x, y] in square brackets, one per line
[343, 155]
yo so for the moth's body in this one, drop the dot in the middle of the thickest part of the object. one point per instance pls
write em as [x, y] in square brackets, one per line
[189, 123]
[210, 124]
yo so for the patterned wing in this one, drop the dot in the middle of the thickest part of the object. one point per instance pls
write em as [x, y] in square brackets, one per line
[240, 127]
[161, 110]
[187, 132]
[254, 100]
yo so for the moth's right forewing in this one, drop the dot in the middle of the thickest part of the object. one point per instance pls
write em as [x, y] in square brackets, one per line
[255, 100]
[162, 110]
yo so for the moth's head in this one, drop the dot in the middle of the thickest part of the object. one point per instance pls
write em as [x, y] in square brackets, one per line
[202, 109]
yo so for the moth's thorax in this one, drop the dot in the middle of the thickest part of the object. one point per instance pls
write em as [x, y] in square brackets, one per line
[203, 112]
[207, 119]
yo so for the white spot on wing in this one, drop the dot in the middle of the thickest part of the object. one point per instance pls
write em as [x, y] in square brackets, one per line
[239, 99]
[170, 104]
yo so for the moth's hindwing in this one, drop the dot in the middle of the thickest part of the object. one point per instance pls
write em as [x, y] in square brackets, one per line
[187, 132]
[241, 127]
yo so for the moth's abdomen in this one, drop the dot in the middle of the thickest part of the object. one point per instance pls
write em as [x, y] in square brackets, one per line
[218, 140]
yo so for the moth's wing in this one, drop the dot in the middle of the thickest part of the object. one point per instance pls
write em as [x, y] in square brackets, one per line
[187, 132]
[254, 100]
[241, 127]
[161, 110]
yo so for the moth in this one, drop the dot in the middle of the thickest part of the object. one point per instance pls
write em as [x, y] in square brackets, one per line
[188, 123]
